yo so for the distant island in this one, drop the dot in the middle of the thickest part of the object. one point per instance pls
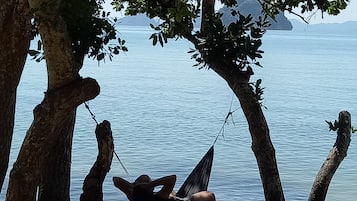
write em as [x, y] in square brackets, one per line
[142, 20]
[346, 27]
[137, 20]
[246, 7]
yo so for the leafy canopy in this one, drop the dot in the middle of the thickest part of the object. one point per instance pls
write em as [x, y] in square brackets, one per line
[236, 45]
[90, 29]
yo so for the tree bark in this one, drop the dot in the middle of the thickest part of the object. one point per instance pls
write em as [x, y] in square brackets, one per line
[49, 119]
[262, 146]
[207, 11]
[238, 81]
[55, 177]
[334, 158]
[93, 183]
[62, 69]
[54, 117]
[14, 44]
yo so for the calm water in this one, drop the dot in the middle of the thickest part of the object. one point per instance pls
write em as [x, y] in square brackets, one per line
[165, 114]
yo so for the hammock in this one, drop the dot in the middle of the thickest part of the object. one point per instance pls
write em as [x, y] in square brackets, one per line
[198, 179]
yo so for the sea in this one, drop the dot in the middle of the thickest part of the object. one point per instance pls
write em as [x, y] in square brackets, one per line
[165, 114]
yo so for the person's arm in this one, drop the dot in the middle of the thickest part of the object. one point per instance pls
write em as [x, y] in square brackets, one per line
[125, 186]
[167, 184]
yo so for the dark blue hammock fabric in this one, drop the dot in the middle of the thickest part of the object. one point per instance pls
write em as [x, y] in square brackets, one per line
[198, 179]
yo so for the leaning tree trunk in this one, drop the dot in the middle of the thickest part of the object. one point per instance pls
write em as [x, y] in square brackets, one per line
[238, 81]
[55, 177]
[14, 44]
[261, 144]
[334, 159]
[66, 90]
[49, 118]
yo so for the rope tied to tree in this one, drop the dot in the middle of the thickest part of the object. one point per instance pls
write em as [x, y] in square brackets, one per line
[229, 114]
[91, 113]
[95, 120]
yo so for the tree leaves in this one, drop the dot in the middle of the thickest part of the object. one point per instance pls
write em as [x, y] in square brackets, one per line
[91, 29]
[238, 44]
[33, 52]
[38, 54]
[335, 125]
[332, 7]
[159, 36]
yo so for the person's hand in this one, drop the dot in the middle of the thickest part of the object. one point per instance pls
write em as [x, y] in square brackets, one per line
[172, 194]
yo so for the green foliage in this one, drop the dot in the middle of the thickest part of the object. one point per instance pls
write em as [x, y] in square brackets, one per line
[332, 7]
[237, 45]
[229, 3]
[158, 36]
[37, 54]
[258, 91]
[90, 30]
[335, 125]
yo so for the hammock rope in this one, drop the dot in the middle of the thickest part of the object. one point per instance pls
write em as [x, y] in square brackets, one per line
[198, 179]
[115, 153]
[225, 122]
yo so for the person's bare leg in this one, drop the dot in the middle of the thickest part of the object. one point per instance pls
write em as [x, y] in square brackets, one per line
[203, 196]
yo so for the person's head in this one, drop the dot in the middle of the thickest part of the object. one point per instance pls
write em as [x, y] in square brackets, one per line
[144, 179]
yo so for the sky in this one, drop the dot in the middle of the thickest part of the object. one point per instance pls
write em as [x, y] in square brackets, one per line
[349, 14]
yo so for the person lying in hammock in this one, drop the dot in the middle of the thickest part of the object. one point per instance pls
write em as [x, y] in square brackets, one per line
[143, 189]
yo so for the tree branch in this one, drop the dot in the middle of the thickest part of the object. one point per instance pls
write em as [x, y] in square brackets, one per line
[93, 183]
[207, 12]
[334, 159]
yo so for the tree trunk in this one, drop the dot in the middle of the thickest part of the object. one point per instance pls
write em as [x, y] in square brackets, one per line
[55, 115]
[207, 11]
[261, 144]
[14, 44]
[93, 183]
[238, 81]
[50, 117]
[334, 158]
[55, 177]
